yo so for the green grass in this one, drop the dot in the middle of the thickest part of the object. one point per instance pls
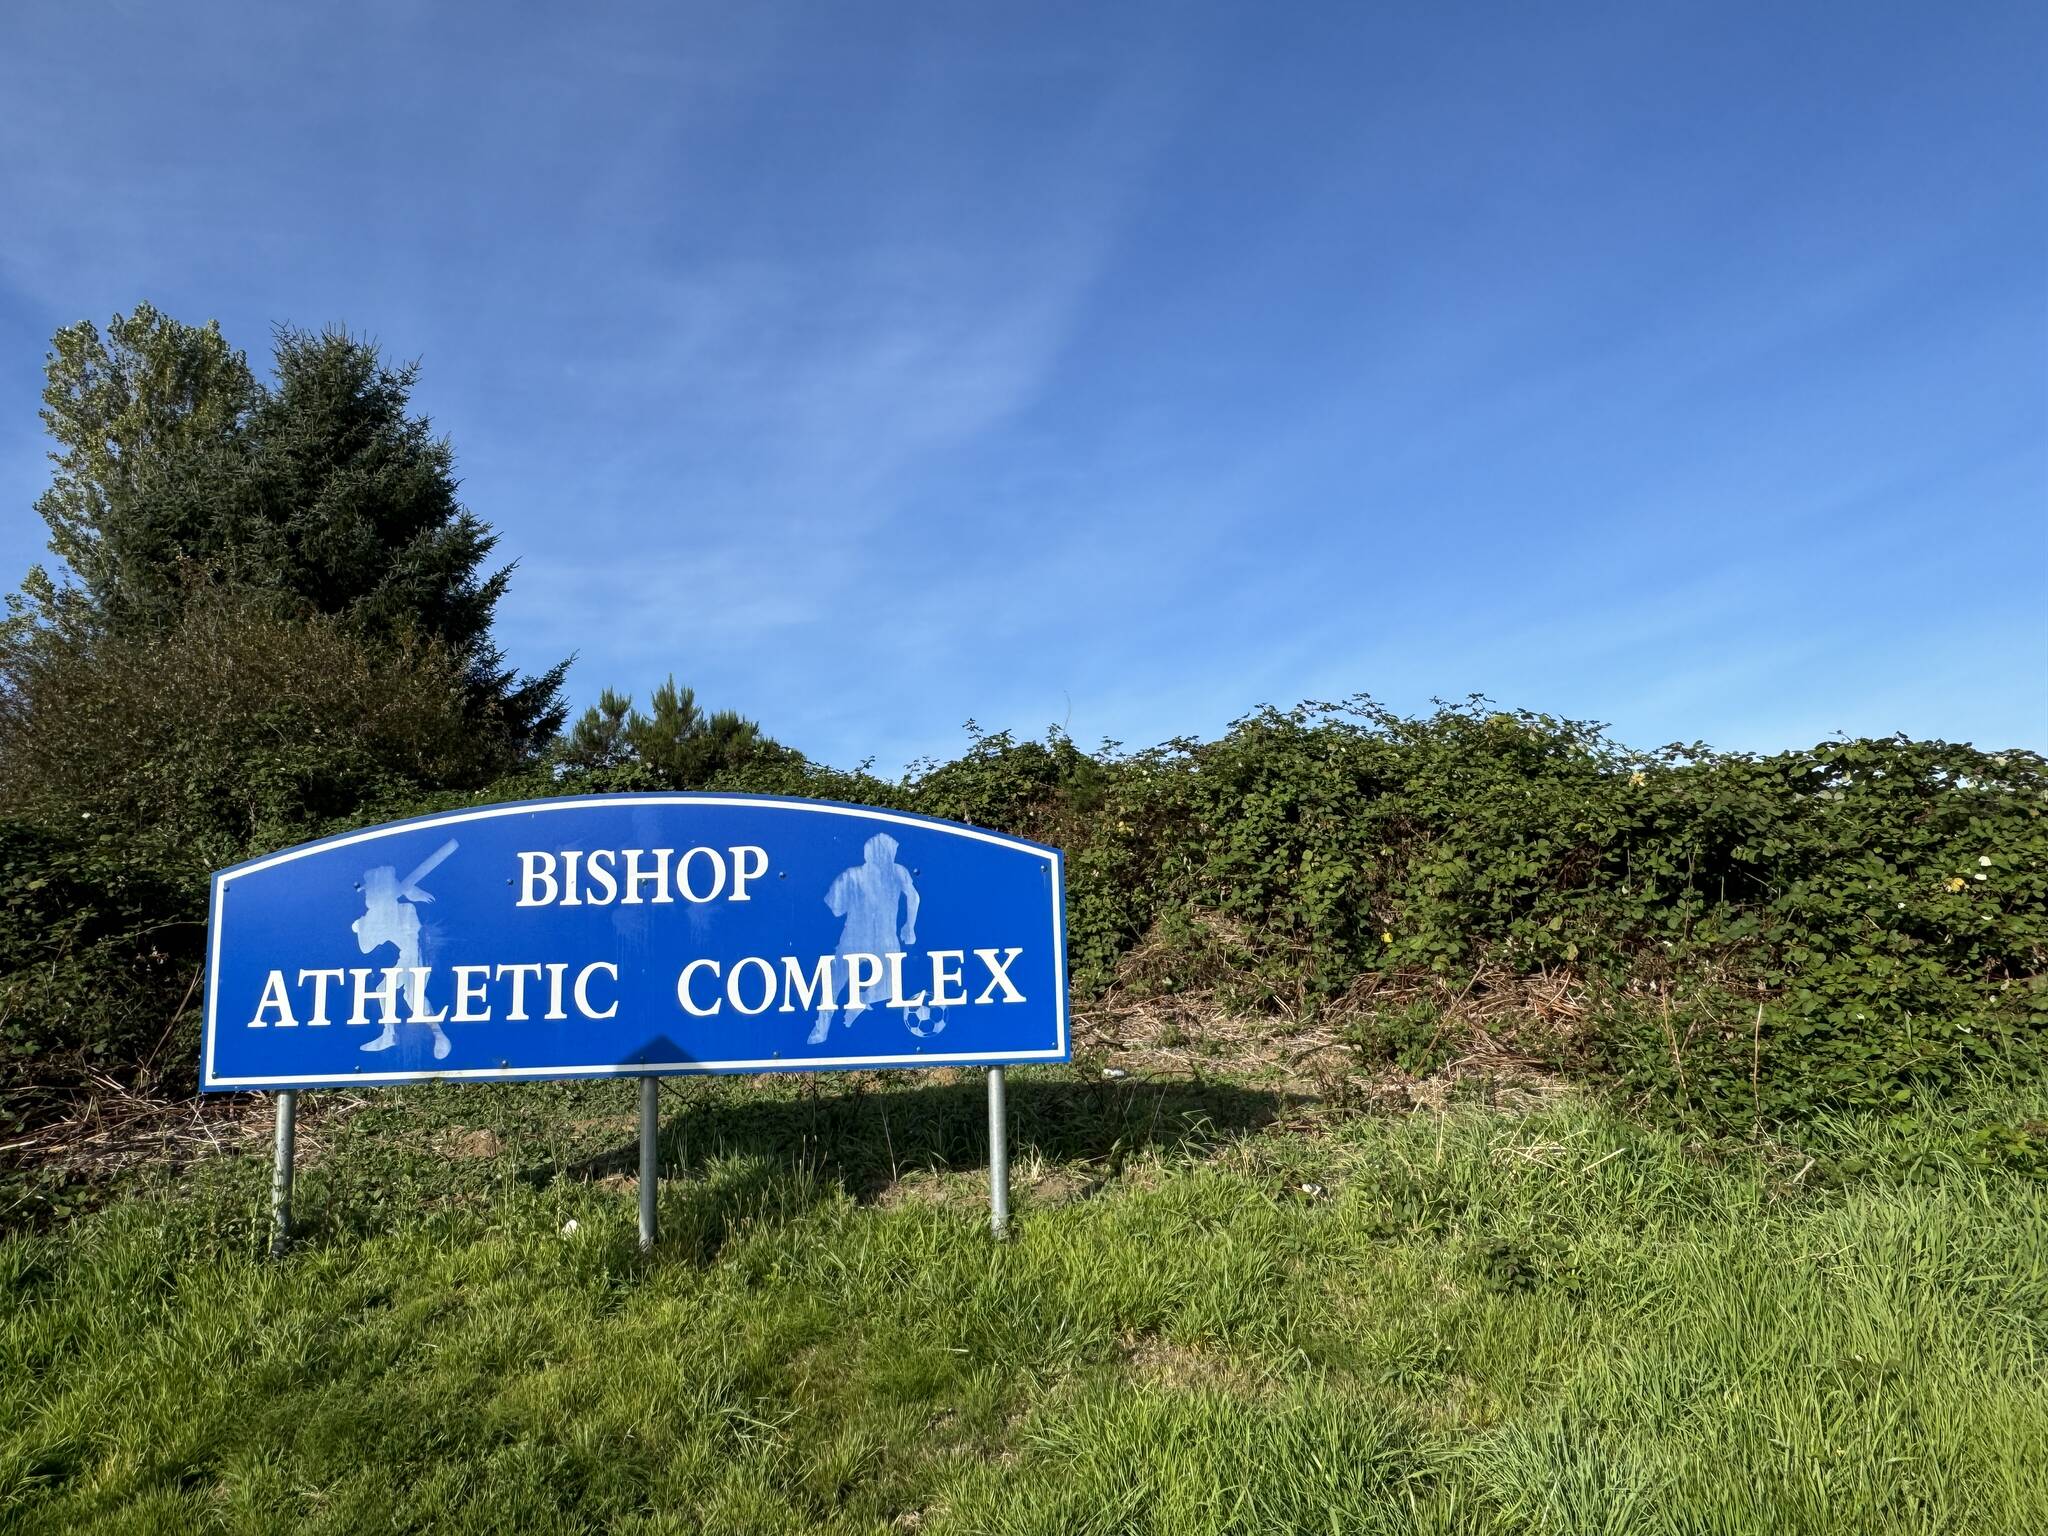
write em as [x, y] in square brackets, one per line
[1220, 1312]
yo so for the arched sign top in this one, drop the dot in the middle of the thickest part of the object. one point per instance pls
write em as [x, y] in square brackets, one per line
[635, 935]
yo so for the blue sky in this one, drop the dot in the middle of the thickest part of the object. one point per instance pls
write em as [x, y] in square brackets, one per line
[876, 366]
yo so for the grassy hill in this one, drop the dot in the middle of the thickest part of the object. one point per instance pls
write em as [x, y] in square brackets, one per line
[1480, 1125]
[1227, 1306]
[1477, 1126]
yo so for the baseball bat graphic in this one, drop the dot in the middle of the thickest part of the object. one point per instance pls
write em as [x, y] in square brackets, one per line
[409, 886]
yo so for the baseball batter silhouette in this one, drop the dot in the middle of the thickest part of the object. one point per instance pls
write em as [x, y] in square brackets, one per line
[391, 916]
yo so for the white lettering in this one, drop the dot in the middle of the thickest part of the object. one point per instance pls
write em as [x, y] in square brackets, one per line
[386, 995]
[274, 996]
[947, 991]
[717, 875]
[556, 971]
[745, 869]
[583, 989]
[534, 868]
[637, 877]
[419, 996]
[732, 984]
[598, 877]
[467, 992]
[999, 975]
[863, 972]
[601, 877]
[320, 980]
[801, 991]
[683, 989]
[518, 973]
[896, 997]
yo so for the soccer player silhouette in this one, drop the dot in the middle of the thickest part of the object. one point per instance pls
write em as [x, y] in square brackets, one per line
[866, 896]
[391, 916]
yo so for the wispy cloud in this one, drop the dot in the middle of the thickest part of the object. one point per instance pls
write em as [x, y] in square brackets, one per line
[1124, 366]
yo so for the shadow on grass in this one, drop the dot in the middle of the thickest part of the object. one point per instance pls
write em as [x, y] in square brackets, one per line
[765, 1159]
[865, 1136]
[736, 1152]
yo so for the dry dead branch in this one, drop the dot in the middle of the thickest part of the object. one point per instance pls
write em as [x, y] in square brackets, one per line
[114, 1128]
[1167, 1013]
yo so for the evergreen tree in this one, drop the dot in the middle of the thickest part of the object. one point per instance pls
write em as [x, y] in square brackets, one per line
[679, 743]
[150, 423]
[176, 469]
[600, 739]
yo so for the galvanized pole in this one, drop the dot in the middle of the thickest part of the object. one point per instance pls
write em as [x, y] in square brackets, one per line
[998, 1156]
[281, 1175]
[650, 1169]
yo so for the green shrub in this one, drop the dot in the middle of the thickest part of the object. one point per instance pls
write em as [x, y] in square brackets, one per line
[132, 765]
[1767, 936]
[233, 730]
[1762, 938]
[94, 958]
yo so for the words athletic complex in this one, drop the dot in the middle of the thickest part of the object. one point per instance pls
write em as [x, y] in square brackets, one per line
[873, 937]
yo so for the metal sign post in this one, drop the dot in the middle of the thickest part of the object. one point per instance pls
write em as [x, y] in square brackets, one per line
[650, 1167]
[998, 1155]
[281, 1174]
[637, 936]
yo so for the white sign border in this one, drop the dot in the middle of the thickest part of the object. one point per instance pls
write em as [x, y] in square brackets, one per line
[212, 1083]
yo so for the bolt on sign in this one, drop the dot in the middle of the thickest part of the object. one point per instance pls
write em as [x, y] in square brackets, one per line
[634, 935]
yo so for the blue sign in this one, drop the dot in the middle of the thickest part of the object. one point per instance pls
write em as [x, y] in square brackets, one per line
[633, 935]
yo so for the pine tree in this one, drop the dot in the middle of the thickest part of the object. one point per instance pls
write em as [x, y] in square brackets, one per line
[680, 744]
[151, 428]
[178, 471]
